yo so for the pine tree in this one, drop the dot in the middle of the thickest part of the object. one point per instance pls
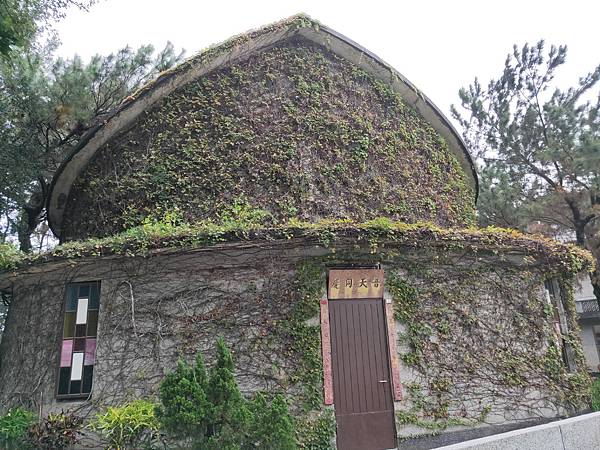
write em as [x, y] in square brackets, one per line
[538, 147]
[185, 411]
[272, 424]
[209, 412]
[230, 416]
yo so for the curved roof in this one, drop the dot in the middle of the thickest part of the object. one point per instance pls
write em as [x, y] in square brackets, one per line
[234, 50]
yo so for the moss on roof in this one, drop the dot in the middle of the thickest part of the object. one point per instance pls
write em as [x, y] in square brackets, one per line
[294, 130]
[232, 51]
[379, 234]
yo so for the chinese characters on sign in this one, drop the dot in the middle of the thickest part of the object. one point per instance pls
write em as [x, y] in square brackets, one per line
[355, 283]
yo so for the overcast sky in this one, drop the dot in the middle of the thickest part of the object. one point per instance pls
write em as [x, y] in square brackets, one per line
[438, 45]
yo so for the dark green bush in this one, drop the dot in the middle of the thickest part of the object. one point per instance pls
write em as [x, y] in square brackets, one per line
[596, 395]
[55, 432]
[272, 427]
[13, 428]
[209, 412]
[184, 412]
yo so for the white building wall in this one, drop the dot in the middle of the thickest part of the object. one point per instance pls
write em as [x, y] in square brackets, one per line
[584, 291]
[590, 350]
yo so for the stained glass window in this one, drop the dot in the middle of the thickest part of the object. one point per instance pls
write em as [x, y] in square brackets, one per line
[78, 349]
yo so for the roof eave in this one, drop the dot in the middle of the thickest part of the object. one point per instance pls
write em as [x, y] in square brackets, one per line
[165, 84]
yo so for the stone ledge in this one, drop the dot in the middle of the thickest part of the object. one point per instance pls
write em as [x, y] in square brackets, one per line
[576, 433]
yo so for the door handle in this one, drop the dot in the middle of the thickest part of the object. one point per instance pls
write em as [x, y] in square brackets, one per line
[383, 381]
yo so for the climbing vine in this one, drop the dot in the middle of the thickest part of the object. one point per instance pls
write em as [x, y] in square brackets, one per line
[295, 129]
[173, 233]
[471, 359]
[303, 337]
[476, 333]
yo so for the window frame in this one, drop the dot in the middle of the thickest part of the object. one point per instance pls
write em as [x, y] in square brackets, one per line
[62, 338]
[553, 290]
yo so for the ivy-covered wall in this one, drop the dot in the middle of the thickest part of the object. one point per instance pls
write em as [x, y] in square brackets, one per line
[479, 346]
[476, 334]
[294, 130]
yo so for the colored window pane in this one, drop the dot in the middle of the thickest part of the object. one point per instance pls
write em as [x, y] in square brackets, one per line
[92, 325]
[63, 380]
[75, 387]
[79, 345]
[77, 366]
[84, 290]
[94, 296]
[72, 298]
[65, 353]
[69, 327]
[88, 372]
[90, 352]
[78, 348]
[82, 309]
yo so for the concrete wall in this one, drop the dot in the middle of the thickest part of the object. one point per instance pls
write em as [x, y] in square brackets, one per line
[584, 289]
[468, 308]
[577, 433]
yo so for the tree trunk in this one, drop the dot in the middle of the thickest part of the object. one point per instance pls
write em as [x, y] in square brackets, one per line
[31, 216]
[25, 230]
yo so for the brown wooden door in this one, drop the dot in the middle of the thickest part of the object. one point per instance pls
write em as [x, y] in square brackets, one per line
[362, 390]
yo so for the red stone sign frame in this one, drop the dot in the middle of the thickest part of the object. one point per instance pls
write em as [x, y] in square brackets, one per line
[326, 352]
[394, 363]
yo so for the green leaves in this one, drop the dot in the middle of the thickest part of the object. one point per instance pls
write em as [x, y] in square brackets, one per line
[595, 396]
[184, 411]
[209, 412]
[46, 105]
[291, 132]
[20, 21]
[13, 428]
[272, 426]
[130, 425]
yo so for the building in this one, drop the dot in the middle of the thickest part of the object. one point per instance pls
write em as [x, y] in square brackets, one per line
[293, 193]
[589, 322]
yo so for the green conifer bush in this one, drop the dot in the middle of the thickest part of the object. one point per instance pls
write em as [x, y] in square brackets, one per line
[208, 412]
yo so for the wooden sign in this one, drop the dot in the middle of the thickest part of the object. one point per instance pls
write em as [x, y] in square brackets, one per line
[355, 283]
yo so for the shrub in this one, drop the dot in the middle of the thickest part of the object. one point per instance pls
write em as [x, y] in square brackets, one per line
[211, 413]
[184, 410]
[131, 425]
[13, 428]
[55, 432]
[272, 426]
[596, 395]
[229, 411]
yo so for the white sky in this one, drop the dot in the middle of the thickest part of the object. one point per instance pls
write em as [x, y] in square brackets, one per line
[438, 45]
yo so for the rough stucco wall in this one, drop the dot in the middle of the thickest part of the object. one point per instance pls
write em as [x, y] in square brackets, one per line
[30, 343]
[294, 130]
[481, 354]
[476, 346]
[179, 306]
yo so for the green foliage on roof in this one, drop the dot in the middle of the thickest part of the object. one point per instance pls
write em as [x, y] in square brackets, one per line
[172, 233]
[294, 129]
